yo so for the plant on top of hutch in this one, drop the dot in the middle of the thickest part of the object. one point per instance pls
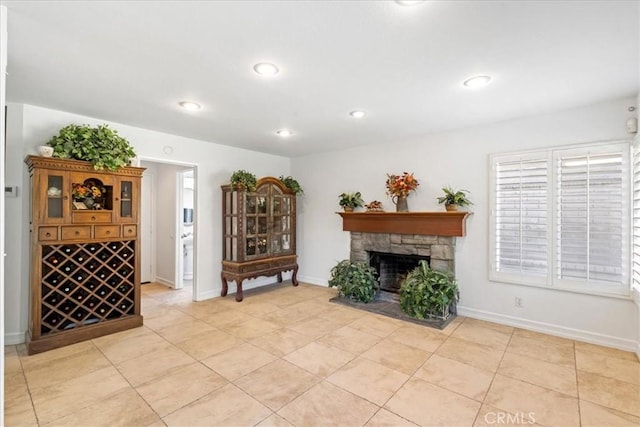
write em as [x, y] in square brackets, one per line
[244, 179]
[292, 184]
[258, 232]
[101, 146]
[85, 276]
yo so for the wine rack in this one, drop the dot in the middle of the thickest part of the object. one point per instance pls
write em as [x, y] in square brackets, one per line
[83, 284]
[85, 255]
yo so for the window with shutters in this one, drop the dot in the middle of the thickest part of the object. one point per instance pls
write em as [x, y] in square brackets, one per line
[560, 218]
[636, 214]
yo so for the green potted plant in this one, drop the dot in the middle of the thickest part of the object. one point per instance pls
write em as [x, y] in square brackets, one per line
[428, 294]
[242, 178]
[101, 146]
[350, 201]
[291, 184]
[453, 198]
[355, 280]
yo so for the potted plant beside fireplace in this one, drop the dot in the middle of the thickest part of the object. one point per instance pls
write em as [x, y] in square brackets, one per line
[355, 280]
[426, 293]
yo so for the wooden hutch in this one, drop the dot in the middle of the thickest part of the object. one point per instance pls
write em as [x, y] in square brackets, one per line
[85, 263]
[258, 233]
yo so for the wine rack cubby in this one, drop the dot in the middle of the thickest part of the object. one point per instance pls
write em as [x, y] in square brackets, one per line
[83, 284]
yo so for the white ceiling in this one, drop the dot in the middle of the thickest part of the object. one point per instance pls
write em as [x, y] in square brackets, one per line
[131, 62]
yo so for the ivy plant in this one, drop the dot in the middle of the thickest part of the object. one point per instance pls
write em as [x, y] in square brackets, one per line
[355, 280]
[245, 179]
[427, 293]
[291, 184]
[100, 145]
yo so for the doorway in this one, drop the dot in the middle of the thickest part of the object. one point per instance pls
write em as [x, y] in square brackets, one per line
[169, 224]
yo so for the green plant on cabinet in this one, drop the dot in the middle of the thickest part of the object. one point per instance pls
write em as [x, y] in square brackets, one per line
[101, 146]
[245, 179]
[291, 184]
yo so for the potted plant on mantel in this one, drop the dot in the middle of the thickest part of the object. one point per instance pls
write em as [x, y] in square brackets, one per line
[101, 146]
[350, 201]
[453, 198]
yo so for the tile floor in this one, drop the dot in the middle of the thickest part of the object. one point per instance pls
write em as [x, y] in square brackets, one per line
[288, 357]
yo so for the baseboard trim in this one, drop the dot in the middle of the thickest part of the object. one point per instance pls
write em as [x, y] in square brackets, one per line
[313, 280]
[13, 338]
[164, 281]
[550, 329]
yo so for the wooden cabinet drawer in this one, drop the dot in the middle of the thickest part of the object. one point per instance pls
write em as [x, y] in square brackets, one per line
[130, 230]
[254, 266]
[70, 233]
[91, 217]
[48, 233]
[106, 231]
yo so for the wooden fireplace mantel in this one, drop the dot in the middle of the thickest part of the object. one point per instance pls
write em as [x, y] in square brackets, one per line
[425, 223]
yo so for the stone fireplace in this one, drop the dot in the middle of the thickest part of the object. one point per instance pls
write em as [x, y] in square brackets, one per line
[439, 251]
[394, 243]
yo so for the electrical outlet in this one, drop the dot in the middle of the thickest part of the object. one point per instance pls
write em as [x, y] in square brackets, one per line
[518, 302]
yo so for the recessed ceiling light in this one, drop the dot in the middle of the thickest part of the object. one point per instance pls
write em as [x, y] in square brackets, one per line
[190, 106]
[409, 2]
[284, 133]
[477, 81]
[357, 114]
[266, 69]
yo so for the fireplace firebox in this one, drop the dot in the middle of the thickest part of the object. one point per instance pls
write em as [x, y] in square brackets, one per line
[392, 268]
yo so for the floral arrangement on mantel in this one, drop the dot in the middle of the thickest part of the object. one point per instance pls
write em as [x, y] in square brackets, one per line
[401, 185]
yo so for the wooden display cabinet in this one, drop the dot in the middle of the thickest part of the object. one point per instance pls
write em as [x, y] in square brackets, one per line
[259, 233]
[85, 275]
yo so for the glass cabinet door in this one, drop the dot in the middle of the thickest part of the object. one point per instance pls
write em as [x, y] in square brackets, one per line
[281, 238]
[57, 197]
[126, 197]
[256, 223]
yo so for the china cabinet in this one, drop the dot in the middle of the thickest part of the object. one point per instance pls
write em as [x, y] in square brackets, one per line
[259, 233]
[85, 279]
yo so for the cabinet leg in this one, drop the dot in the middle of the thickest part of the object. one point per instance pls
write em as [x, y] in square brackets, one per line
[294, 279]
[225, 286]
[280, 277]
[239, 295]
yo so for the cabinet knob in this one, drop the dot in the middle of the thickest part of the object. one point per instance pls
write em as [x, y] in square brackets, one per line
[93, 218]
[130, 230]
[48, 234]
[77, 233]
[117, 199]
[65, 197]
[108, 232]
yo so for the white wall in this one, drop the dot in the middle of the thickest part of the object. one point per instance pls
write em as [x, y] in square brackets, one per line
[460, 158]
[30, 126]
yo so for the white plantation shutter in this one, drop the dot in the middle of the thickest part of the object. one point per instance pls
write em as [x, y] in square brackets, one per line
[561, 218]
[592, 208]
[636, 213]
[521, 216]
